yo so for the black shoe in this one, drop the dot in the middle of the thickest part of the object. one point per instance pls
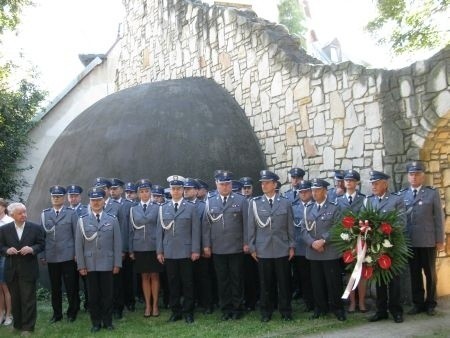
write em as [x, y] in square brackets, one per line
[415, 310]
[236, 316]
[378, 316]
[341, 316]
[398, 318]
[174, 317]
[265, 319]
[189, 319]
[431, 311]
[55, 319]
[316, 315]
[226, 316]
[286, 318]
[95, 328]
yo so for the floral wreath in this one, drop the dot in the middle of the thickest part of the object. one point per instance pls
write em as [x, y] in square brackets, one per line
[373, 245]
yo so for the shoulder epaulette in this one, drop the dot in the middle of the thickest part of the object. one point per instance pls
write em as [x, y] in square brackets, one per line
[430, 187]
[370, 196]
[112, 215]
[48, 209]
[331, 202]
[359, 194]
[398, 193]
[281, 196]
[402, 190]
[256, 198]
[84, 215]
[200, 201]
[165, 202]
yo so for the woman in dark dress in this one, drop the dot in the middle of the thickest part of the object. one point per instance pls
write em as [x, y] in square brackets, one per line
[143, 221]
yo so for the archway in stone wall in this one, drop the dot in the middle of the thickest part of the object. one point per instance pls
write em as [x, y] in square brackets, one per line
[187, 127]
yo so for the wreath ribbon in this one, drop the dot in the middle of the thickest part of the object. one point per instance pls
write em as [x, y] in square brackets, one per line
[361, 249]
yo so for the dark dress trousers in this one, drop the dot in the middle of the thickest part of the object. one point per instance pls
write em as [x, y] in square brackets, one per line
[22, 272]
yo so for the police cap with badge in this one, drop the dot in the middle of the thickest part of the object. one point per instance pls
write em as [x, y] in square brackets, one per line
[96, 193]
[143, 183]
[339, 175]
[377, 176]
[202, 184]
[267, 175]
[74, 189]
[115, 183]
[304, 185]
[102, 182]
[352, 175]
[297, 172]
[57, 190]
[236, 186]
[191, 183]
[415, 167]
[176, 181]
[318, 183]
[246, 181]
[130, 186]
[224, 176]
[157, 190]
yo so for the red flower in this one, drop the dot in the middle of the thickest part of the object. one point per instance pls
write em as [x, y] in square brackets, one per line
[384, 262]
[348, 222]
[367, 271]
[386, 228]
[347, 256]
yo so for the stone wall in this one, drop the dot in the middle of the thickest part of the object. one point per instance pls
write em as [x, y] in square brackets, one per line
[304, 113]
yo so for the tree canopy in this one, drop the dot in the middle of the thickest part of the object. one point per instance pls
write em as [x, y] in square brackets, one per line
[411, 25]
[19, 103]
[291, 15]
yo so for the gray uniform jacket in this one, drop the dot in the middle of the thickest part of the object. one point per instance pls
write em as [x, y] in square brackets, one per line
[355, 207]
[389, 202]
[143, 227]
[317, 226]
[224, 228]
[178, 233]
[112, 207]
[298, 210]
[289, 194]
[425, 217]
[276, 238]
[123, 216]
[98, 246]
[80, 209]
[59, 235]
[332, 195]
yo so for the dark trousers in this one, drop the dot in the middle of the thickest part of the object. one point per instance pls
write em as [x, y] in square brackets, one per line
[23, 302]
[85, 292]
[388, 297]
[118, 292]
[180, 278]
[423, 259]
[303, 270]
[230, 271]
[251, 281]
[128, 282]
[326, 279]
[64, 272]
[100, 290]
[273, 271]
[203, 282]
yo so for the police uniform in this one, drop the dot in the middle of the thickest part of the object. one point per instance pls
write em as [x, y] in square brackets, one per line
[332, 194]
[98, 247]
[59, 254]
[177, 239]
[326, 269]
[291, 194]
[224, 232]
[353, 202]
[388, 295]
[425, 226]
[302, 265]
[271, 238]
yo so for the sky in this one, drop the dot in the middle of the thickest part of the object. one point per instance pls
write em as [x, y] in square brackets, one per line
[54, 32]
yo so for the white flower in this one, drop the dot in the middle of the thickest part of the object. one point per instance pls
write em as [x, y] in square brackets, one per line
[387, 244]
[345, 237]
[368, 259]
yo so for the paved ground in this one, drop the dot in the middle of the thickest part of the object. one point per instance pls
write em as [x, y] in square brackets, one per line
[414, 326]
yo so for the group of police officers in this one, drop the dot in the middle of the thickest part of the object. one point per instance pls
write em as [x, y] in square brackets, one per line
[225, 245]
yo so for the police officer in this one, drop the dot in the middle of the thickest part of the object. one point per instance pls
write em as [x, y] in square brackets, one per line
[425, 225]
[272, 243]
[339, 186]
[178, 245]
[158, 194]
[352, 201]
[59, 223]
[247, 186]
[111, 205]
[324, 258]
[98, 247]
[74, 199]
[202, 192]
[303, 268]
[224, 229]
[130, 192]
[385, 201]
[297, 175]
[143, 219]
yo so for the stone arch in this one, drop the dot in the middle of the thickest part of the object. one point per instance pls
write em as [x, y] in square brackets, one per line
[436, 154]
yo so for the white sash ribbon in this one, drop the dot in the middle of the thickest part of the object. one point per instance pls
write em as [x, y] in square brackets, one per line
[357, 271]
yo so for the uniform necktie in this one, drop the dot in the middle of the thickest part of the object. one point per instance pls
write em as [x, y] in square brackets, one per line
[176, 207]
[350, 199]
[415, 193]
[98, 217]
[224, 200]
[295, 194]
[318, 207]
[57, 211]
[144, 206]
[270, 202]
[379, 199]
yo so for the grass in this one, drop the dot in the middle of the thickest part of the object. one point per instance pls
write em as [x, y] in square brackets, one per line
[135, 325]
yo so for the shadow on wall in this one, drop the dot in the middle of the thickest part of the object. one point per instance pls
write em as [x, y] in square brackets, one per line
[188, 127]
